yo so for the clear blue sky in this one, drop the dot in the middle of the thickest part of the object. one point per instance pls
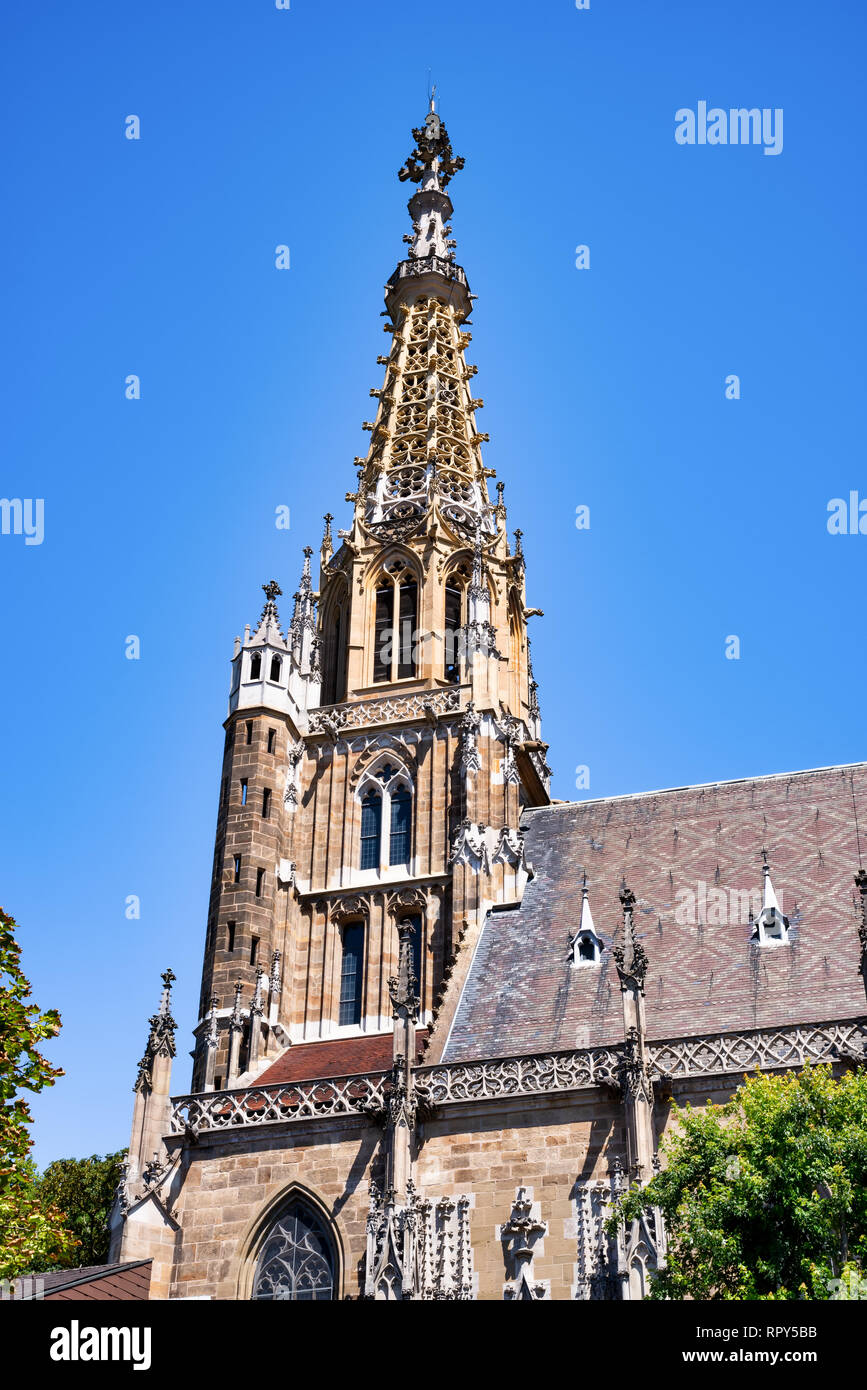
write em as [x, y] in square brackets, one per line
[603, 387]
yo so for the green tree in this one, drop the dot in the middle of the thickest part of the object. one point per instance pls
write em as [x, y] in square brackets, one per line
[29, 1230]
[765, 1197]
[83, 1189]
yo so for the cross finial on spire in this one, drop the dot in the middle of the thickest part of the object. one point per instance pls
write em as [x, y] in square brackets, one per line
[272, 590]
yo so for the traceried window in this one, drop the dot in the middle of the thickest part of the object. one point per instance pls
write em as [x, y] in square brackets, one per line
[352, 973]
[297, 1259]
[455, 619]
[395, 624]
[371, 823]
[386, 810]
[401, 825]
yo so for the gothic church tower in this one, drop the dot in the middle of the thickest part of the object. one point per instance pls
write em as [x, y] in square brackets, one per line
[379, 753]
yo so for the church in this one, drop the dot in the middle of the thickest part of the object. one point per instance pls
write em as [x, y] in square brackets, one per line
[444, 1019]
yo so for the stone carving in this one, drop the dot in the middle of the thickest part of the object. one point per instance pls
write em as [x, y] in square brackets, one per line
[469, 727]
[630, 956]
[349, 909]
[388, 709]
[510, 732]
[419, 1250]
[533, 1074]
[161, 1038]
[294, 755]
[596, 1264]
[759, 1049]
[470, 847]
[262, 1105]
[521, 1236]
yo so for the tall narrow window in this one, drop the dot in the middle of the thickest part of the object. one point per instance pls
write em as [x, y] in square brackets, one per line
[383, 637]
[266, 803]
[407, 632]
[276, 667]
[256, 666]
[272, 734]
[454, 614]
[254, 949]
[371, 822]
[260, 882]
[237, 868]
[395, 624]
[352, 973]
[230, 936]
[243, 791]
[401, 819]
[334, 634]
[249, 731]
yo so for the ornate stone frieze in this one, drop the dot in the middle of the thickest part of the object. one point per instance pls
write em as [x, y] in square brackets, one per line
[263, 1105]
[762, 1049]
[389, 709]
[546, 1073]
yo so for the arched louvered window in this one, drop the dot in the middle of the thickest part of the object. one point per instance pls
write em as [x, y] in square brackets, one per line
[371, 824]
[297, 1259]
[352, 973]
[395, 624]
[455, 618]
[401, 826]
[334, 633]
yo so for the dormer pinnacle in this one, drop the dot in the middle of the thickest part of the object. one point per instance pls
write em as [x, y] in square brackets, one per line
[268, 629]
[772, 925]
[585, 947]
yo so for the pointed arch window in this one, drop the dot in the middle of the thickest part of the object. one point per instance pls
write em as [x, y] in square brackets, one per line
[455, 620]
[401, 826]
[335, 632]
[256, 666]
[371, 828]
[395, 625]
[276, 668]
[297, 1260]
[352, 973]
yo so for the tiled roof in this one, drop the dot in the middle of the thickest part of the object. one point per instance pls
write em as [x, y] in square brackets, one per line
[124, 1282]
[523, 995]
[338, 1057]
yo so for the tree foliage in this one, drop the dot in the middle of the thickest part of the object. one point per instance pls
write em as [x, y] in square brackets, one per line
[29, 1230]
[83, 1190]
[765, 1197]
